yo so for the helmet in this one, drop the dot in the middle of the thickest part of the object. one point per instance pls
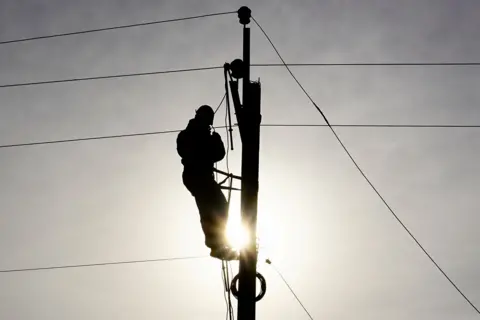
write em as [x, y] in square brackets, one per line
[205, 113]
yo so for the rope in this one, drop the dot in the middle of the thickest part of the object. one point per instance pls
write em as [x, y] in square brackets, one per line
[228, 138]
[226, 267]
[224, 280]
[228, 114]
[227, 292]
[230, 305]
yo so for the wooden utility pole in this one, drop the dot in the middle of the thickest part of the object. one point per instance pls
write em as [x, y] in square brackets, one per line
[249, 122]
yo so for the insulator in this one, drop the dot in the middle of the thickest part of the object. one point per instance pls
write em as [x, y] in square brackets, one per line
[236, 67]
[244, 14]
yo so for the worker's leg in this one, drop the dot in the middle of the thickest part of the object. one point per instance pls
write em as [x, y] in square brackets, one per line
[213, 208]
[220, 212]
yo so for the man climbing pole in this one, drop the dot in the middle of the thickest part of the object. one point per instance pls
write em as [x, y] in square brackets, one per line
[200, 149]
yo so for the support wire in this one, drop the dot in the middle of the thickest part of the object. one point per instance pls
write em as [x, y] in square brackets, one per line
[365, 176]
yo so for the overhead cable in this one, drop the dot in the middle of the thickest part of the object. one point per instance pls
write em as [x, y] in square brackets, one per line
[88, 138]
[124, 75]
[368, 64]
[375, 125]
[114, 28]
[102, 264]
[138, 74]
[440, 126]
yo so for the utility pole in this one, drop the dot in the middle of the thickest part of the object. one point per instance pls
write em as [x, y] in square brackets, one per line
[249, 124]
[249, 119]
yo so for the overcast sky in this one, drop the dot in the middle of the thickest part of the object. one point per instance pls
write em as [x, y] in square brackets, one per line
[334, 241]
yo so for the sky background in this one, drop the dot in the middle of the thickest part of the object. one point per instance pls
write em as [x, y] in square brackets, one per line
[335, 242]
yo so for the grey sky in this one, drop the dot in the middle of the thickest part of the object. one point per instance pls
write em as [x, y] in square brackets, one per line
[338, 246]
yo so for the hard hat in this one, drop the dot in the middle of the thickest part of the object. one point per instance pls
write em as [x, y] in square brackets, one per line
[205, 112]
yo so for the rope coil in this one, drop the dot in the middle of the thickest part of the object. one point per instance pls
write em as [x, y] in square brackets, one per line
[263, 286]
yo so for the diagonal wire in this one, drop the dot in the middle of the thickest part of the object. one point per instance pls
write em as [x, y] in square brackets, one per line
[291, 73]
[367, 179]
[102, 264]
[114, 28]
[124, 75]
[220, 104]
[290, 288]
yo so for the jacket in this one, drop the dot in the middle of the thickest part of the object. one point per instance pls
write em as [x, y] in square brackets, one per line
[199, 149]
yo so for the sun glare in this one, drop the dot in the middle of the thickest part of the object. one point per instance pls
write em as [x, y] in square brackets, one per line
[237, 234]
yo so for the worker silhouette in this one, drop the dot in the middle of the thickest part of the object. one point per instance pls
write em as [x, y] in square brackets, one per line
[200, 149]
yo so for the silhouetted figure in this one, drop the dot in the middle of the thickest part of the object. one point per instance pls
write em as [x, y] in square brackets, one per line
[199, 149]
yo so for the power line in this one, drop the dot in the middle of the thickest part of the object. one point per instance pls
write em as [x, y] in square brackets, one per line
[289, 287]
[125, 75]
[115, 28]
[263, 125]
[219, 67]
[377, 125]
[102, 264]
[88, 138]
[368, 64]
[366, 178]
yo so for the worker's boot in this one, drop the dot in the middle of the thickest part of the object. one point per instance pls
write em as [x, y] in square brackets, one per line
[224, 253]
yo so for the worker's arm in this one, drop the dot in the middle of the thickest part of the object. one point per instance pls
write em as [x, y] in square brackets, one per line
[218, 149]
[184, 145]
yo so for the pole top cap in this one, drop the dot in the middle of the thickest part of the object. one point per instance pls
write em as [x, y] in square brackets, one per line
[244, 14]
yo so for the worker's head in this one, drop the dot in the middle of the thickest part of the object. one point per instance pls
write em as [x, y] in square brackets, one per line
[205, 115]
